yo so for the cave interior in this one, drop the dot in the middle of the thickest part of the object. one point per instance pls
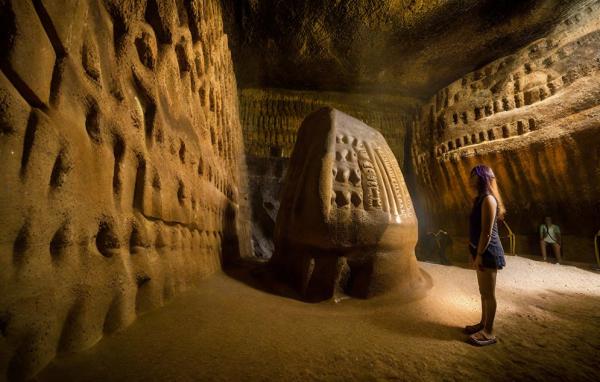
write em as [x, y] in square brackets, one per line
[148, 145]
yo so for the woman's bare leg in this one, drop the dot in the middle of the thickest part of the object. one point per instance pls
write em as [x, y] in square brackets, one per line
[483, 301]
[487, 289]
[556, 250]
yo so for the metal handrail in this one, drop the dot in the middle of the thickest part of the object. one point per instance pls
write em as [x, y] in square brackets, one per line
[436, 237]
[512, 242]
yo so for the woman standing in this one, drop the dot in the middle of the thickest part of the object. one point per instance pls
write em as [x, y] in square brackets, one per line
[486, 250]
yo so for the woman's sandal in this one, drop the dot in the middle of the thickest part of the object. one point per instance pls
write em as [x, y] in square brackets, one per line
[472, 329]
[480, 339]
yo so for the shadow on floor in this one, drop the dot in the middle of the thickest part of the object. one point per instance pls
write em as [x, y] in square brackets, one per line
[416, 327]
[255, 273]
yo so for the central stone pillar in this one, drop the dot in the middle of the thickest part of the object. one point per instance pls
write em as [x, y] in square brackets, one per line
[346, 219]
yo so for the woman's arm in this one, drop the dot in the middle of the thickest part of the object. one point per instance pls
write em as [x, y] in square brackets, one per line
[488, 214]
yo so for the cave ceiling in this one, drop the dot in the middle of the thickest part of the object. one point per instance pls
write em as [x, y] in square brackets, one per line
[407, 47]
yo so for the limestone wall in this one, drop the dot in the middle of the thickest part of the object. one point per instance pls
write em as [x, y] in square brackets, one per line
[271, 117]
[123, 176]
[534, 117]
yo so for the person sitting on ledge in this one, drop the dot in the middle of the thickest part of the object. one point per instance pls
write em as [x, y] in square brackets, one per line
[550, 235]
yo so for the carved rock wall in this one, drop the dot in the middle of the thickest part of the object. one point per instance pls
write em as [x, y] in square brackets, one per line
[534, 117]
[123, 175]
[409, 47]
[270, 121]
[271, 117]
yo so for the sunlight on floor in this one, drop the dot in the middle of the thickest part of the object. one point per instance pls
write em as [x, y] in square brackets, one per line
[242, 333]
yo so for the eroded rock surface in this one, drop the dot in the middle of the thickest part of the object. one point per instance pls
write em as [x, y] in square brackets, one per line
[346, 217]
[123, 180]
[408, 47]
[270, 121]
[265, 179]
[534, 117]
[522, 87]
[271, 117]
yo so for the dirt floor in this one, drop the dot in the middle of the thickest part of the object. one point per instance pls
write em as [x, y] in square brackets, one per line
[548, 325]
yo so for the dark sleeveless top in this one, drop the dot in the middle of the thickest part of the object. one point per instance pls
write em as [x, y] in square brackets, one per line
[493, 257]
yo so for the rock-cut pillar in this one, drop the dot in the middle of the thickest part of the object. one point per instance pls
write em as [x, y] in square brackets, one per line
[346, 219]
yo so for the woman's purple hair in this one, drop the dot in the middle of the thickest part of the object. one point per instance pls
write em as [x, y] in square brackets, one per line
[486, 184]
[484, 178]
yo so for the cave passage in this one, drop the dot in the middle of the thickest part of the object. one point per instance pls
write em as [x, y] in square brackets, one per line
[281, 190]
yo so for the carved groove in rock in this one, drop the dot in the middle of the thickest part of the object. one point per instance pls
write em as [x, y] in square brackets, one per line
[533, 117]
[328, 227]
[101, 219]
[271, 117]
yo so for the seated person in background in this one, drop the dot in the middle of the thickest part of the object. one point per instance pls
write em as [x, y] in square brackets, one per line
[550, 235]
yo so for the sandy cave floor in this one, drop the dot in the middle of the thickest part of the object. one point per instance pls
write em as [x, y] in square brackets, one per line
[548, 325]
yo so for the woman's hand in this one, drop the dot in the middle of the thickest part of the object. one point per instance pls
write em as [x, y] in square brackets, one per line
[478, 264]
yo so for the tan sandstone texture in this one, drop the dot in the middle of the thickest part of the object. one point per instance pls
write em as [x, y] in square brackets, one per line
[406, 47]
[547, 323]
[514, 85]
[122, 173]
[346, 218]
[271, 118]
[270, 121]
[534, 117]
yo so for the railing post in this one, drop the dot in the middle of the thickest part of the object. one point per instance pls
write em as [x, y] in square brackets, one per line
[596, 239]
